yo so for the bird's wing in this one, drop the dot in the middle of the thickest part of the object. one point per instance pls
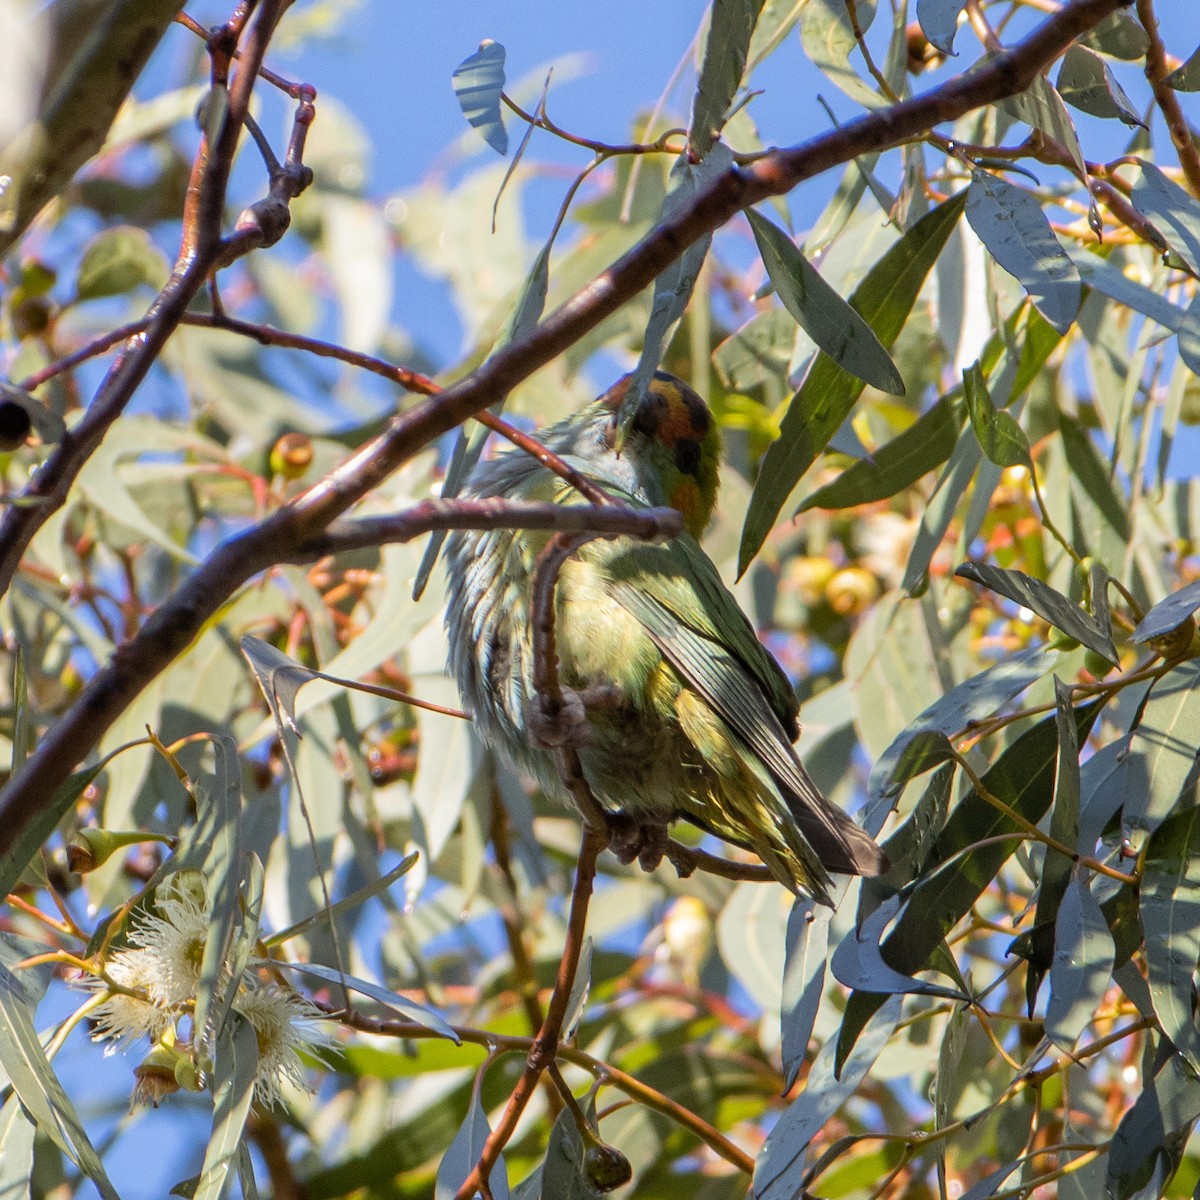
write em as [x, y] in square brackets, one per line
[691, 642]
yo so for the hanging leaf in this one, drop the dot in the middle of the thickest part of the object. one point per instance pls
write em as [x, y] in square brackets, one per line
[897, 464]
[463, 1153]
[478, 82]
[1000, 437]
[1042, 599]
[1187, 77]
[1086, 82]
[1162, 755]
[827, 33]
[1172, 210]
[1014, 228]
[779, 1169]
[1023, 778]
[1120, 35]
[803, 981]
[884, 299]
[673, 288]
[730, 28]
[832, 323]
[1082, 969]
[939, 20]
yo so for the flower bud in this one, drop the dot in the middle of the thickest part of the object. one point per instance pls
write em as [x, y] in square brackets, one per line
[605, 1167]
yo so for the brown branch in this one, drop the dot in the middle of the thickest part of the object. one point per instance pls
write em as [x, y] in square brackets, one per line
[492, 512]
[172, 627]
[201, 250]
[545, 1046]
[602, 1070]
[1167, 99]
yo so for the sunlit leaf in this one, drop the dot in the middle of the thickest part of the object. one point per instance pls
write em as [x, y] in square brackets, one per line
[831, 323]
[884, 299]
[1012, 225]
[1042, 599]
[1086, 82]
[730, 28]
[1173, 211]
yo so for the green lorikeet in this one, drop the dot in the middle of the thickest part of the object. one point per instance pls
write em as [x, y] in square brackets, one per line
[687, 714]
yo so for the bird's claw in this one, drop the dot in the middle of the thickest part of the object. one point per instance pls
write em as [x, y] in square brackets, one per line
[630, 840]
[558, 721]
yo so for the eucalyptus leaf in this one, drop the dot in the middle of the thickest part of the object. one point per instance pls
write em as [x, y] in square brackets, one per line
[1086, 82]
[884, 300]
[463, 1153]
[939, 21]
[1081, 972]
[831, 323]
[730, 28]
[1013, 227]
[478, 81]
[1042, 599]
[1172, 210]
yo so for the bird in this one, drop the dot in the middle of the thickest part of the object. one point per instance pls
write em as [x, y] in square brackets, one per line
[686, 715]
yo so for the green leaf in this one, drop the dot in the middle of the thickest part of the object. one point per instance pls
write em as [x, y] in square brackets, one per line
[1170, 911]
[897, 464]
[117, 261]
[563, 1174]
[1173, 212]
[82, 95]
[1100, 274]
[858, 963]
[831, 323]
[478, 82]
[1011, 224]
[779, 1169]
[1189, 336]
[17, 1133]
[234, 1069]
[463, 1153]
[35, 1084]
[1022, 777]
[1082, 967]
[1086, 82]
[730, 28]
[1119, 35]
[1000, 437]
[1103, 515]
[1187, 77]
[939, 20]
[884, 299]
[1162, 752]
[673, 288]
[1150, 1137]
[803, 981]
[759, 351]
[1168, 614]
[346, 904]
[1042, 599]
[410, 1010]
[1064, 818]
[827, 33]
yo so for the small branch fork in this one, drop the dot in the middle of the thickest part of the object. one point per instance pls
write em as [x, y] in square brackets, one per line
[171, 628]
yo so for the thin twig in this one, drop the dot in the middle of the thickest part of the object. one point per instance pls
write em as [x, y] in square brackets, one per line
[545, 1045]
[1167, 98]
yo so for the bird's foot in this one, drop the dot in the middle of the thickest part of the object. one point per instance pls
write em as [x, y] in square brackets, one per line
[641, 840]
[558, 721]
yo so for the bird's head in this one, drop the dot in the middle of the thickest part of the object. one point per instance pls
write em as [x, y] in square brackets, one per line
[674, 446]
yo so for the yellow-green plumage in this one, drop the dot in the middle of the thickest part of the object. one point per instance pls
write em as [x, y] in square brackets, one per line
[689, 715]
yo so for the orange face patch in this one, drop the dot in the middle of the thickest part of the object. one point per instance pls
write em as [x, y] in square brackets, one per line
[670, 413]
